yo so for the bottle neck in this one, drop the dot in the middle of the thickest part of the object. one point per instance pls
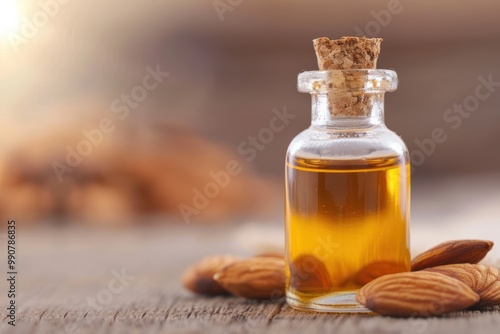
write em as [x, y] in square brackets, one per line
[347, 110]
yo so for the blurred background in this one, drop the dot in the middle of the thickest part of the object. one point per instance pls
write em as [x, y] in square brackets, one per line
[113, 110]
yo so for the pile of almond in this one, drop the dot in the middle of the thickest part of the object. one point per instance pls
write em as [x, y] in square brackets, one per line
[446, 278]
[258, 277]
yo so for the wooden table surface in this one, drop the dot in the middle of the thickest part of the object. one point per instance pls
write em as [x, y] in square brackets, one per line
[77, 280]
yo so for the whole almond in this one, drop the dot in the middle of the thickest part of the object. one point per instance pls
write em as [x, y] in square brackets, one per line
[308, 274]
[376, 269]
[199, 277]
[484, 280]
[420, 293]
[451, 252]
[256, 278]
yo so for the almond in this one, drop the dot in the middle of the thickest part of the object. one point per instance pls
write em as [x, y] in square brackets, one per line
[199, 277]
[451, 252]
[256, 278]
[485, 281]
[420, 293]
[376, 269]
[308, 274]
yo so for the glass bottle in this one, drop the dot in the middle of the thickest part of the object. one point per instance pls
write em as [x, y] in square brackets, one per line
[347, 203]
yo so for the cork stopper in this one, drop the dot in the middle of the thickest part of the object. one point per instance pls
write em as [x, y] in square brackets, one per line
[348, 53]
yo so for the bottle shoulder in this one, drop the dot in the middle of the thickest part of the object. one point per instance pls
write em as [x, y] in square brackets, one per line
[327, 143]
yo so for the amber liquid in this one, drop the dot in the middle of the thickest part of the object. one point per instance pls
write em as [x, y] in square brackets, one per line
[346, 224]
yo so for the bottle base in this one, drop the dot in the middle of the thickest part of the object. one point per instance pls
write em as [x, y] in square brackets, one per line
[338, 302]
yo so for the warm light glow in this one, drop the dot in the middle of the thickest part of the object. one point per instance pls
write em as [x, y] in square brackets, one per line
[9, 17]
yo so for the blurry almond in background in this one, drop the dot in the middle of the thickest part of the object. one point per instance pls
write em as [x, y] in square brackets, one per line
[75, 170]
